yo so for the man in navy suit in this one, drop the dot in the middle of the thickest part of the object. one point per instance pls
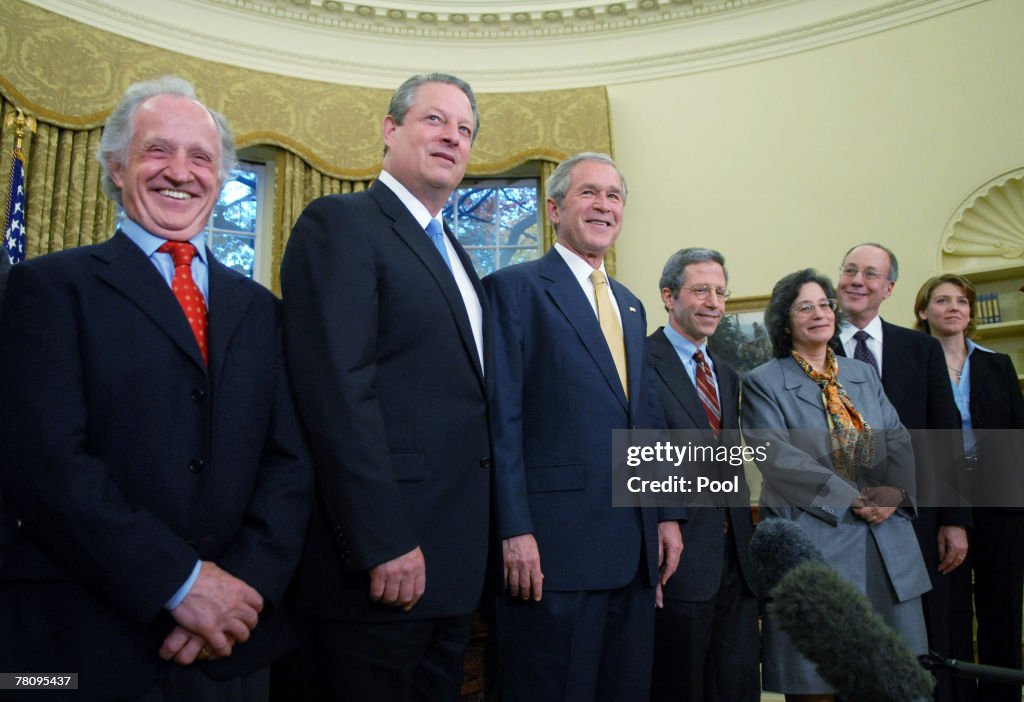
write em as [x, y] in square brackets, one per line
[577, 617]
[385, 332]
[155, 463]
[706, 645]
[913, 371]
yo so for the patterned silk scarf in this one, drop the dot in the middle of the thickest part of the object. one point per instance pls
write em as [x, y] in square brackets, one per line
[853, 444]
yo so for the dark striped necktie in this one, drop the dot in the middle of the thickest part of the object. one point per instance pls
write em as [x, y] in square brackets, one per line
[708, 396]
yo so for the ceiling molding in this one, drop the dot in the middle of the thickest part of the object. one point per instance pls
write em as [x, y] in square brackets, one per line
[386, 42]
[467, 20]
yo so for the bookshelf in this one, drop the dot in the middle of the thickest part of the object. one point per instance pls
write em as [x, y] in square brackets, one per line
[1006, 335]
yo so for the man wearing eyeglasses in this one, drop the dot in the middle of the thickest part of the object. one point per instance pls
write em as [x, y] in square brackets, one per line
[913, 371]
[706, 636]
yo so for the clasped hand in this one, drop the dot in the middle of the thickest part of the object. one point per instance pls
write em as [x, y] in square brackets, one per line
[219, 611]
[876, 504]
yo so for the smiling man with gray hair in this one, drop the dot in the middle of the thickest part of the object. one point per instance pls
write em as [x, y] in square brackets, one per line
[153, 457]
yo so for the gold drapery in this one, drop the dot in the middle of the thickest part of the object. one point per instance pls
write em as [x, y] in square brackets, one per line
[328, 133]
[335, 128]
[66, 206]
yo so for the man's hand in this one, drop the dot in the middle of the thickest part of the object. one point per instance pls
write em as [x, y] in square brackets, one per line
[185, 647]
[952, 548]
[522, 567]
[218, 611]
[670, 548]
[401, 581]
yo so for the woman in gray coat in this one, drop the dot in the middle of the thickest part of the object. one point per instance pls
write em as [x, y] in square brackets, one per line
[839, 464]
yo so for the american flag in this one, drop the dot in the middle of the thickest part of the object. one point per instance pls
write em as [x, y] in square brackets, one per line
[14, 220]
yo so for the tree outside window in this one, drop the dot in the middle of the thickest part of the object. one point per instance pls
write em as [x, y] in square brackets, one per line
[497, 221]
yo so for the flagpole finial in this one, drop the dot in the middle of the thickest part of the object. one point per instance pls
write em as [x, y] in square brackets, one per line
[22, 123]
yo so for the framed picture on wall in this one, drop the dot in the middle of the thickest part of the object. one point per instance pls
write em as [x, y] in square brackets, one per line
[742, 340]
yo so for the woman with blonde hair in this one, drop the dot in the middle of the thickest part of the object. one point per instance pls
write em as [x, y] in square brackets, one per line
[988, 395]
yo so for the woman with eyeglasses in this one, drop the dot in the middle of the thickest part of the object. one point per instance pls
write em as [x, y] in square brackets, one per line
[839, 464]
[988, 396]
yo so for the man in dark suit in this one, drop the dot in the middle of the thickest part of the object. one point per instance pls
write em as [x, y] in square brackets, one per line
[706, 645]
[913, 371]
[577, 619]
[384, 330]
[155, 462]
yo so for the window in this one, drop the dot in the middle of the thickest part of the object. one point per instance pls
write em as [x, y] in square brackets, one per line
[497, 221]
[237, 220]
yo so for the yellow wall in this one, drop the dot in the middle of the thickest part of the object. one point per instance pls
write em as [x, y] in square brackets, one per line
[785, 163]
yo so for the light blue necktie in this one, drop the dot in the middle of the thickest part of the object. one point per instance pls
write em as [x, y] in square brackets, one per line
[437, 236]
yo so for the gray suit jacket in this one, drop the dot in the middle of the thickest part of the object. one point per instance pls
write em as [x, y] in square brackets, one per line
[783, 411]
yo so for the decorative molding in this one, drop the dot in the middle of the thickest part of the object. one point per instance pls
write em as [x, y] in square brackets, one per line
[475, 20]
[379, 43]
[987, 229]
[336, 128]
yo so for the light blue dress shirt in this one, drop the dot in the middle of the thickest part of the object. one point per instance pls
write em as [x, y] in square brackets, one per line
[685, 349]
[149, 244]
[962, 395]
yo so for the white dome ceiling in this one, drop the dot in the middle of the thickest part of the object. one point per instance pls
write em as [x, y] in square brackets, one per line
[502, 45]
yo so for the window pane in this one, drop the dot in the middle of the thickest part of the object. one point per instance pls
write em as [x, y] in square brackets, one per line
[237, 251]
[236, 208]
[496, 221]
[236, 219]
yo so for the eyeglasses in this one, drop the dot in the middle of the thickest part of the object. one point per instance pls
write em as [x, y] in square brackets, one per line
[868, 273]
[806, 309]
[701, 292]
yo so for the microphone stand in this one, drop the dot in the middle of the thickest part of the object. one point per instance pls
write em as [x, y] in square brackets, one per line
[989, 673]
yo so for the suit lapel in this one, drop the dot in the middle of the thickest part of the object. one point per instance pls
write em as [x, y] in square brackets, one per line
[409, 231]
[229, 299]
[797, 382]
[565, 292]
[670, 369]
[893, 359]
[634, 331]
[728, 392]
[130, 273]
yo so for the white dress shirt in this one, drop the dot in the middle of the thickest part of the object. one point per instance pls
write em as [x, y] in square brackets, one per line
[874, 331]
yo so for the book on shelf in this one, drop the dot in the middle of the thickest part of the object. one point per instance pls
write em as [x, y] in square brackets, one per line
[987, 311]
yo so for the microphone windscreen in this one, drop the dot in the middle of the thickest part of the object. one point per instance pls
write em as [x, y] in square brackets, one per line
[778, 546]
[833, 625]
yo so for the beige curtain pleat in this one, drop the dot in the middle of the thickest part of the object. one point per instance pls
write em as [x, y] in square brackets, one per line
[65, 203]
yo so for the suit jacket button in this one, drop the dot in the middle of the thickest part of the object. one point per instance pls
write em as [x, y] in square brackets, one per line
[485, 462]
[196, 465]
[198, 394]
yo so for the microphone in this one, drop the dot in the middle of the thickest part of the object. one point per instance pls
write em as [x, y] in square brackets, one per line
[831, 622]
[777, 547]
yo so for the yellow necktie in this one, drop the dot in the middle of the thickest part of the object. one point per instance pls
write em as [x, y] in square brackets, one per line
[610, 326]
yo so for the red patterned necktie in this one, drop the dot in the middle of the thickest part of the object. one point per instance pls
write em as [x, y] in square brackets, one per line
[186, 290]
[708, 396]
